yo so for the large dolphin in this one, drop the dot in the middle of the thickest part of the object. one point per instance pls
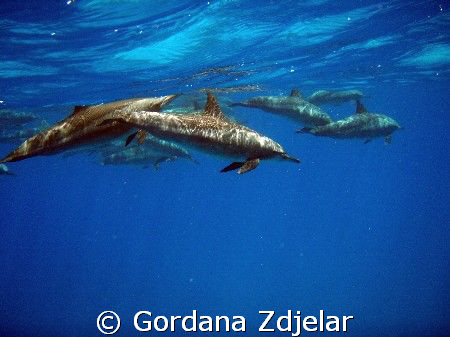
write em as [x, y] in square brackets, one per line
[334, 97]
[361, 125]
[82, 128]
[293, 107]
[209, 131]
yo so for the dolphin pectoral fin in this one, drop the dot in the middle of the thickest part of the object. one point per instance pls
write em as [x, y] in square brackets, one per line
[130, 138]
[248, 166]
[233, 166]
[388, 140]
[367, 140]
[141, 136]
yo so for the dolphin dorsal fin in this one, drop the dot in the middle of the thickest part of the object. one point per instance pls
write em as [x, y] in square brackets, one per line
[79, 108]
[296, 93]
[212, 107]
[360, 108]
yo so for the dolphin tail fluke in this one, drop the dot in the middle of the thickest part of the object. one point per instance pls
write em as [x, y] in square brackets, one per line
[243, 167]
[304, 130]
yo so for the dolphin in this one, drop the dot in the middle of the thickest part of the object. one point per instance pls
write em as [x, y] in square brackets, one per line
[334, 97]
[135, 155]
[361, 125]
[12, 119]
[82, 128]
[209, 131]
[152, 146]
[294, 107]
[18, 135]
[5, 171]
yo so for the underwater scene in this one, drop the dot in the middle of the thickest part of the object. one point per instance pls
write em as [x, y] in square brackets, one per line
[224, 167]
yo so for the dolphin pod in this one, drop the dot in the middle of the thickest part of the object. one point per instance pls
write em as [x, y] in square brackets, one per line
[209, 131]
[166, 136]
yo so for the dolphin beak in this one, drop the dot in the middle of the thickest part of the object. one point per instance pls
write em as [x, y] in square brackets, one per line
[295, 160]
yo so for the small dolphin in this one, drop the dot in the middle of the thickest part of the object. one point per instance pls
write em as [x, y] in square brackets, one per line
[135, 155]
[82, 127]
[209, 131]
[362, 125]
[334, 97]
[5, 171]
[12, 119]
[293, 107]
[151, 145]
[18, 135]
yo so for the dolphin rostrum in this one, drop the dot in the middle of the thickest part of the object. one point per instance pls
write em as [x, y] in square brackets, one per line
[293, 107]
[334, 97]
[82, 128]
[361, 125]
[209, 131]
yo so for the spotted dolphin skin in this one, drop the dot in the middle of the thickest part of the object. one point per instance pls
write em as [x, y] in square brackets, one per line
[361, 125]
[5, 171]
[294, 107]
[82, 127]
[209, 131]
[334, 97]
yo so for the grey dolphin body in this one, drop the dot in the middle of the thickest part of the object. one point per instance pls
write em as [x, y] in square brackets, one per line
[5, 171]
[293, 107]
[334, 97]
[82, 128]
[361, 125]
[209, 131]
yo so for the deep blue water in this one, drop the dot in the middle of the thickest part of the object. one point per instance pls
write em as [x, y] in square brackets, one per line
[355, 229]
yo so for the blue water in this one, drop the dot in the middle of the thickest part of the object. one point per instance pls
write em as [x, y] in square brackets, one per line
[356, 229]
